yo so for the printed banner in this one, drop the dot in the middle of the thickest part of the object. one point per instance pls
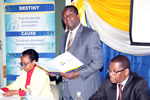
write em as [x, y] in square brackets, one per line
[28, 24]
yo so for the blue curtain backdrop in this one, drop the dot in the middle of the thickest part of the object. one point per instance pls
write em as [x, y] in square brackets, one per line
[139, 64]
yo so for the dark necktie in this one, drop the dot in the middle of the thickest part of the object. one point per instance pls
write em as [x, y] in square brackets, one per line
[120, 91]
[69, 42]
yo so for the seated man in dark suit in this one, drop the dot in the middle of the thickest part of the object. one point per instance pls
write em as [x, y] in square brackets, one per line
[122, 84]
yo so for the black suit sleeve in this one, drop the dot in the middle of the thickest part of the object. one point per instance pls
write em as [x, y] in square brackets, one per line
[100, 93]
[142, 90]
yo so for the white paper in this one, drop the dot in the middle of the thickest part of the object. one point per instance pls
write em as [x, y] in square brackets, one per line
[62, 63]
[1, 92]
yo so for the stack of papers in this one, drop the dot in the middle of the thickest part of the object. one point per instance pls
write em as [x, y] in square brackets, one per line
[62, 63]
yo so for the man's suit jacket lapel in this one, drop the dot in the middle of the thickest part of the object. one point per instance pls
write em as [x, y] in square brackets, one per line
[64, 42]
[114, 91]
[128, 82]
[126, 87]
[76, 38]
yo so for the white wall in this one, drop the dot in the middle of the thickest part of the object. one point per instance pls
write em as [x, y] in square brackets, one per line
[2, 37]
[140, 21]
[1, 64]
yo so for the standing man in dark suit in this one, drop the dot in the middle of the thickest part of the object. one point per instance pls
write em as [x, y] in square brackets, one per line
[134, 87]
[86, 47]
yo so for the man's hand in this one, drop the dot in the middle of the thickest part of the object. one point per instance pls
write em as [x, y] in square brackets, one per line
[11, 93]
[71, 75]
[51, 74]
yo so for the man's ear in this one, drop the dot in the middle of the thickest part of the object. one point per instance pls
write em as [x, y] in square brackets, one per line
[127, 71]
[78, 16]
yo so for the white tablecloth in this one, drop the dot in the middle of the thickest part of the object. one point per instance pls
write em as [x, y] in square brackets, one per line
[16, 97]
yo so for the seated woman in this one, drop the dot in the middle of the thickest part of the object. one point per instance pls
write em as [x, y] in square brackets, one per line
[31, 75]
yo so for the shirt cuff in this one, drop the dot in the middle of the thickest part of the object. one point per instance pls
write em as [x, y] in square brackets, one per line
[21, 93]
[5, 89]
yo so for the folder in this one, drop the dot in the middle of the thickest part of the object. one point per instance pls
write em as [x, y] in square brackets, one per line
[65, 63]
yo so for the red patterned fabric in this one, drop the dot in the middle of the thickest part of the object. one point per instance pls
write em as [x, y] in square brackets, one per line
[29, 74]
[5, 89]
[21, 93]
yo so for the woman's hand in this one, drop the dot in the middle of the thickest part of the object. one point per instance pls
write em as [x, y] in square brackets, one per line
[11, 93]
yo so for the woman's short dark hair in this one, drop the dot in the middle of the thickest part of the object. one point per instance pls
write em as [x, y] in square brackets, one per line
[32, 54]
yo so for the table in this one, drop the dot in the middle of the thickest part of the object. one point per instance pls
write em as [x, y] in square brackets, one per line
[16, 97]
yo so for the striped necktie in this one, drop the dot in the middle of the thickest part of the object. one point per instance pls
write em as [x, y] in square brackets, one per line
[120, 91]
[70, 42]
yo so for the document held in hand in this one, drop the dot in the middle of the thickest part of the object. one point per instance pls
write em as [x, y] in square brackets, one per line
[63, 63]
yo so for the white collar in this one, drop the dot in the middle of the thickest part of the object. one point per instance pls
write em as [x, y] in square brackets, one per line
[124, 82]
[75, 30]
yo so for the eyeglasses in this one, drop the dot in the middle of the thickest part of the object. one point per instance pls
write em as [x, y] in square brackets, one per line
[115, 72]
[24, 65]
